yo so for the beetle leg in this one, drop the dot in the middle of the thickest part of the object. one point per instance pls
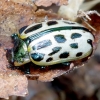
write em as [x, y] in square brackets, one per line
[26, 69]
[66, 63]
[43, 67]
[16, 40]
[12, 55]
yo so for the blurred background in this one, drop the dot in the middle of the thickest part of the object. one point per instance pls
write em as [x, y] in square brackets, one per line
[81, 84]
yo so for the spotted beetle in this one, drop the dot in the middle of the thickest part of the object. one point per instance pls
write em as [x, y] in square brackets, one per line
[52, 42]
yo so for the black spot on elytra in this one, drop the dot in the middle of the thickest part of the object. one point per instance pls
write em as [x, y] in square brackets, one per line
[75, 35]
[22, 29]
[60, 38]
[42, 44]
[54, 50]
[74, 45]
[37, 56]
[64, 55]
[49, 59]
[52, 23]
[79, 54]
[90, 42]
[33, 28]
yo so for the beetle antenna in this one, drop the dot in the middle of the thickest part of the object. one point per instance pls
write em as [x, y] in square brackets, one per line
[46, 18]
[85, 21]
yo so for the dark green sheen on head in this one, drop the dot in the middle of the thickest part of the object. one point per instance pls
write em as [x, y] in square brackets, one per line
[14, 36]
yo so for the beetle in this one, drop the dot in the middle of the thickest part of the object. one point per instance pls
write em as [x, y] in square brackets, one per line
[52, 42]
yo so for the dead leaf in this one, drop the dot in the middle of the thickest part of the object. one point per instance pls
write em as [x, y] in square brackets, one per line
[47, 3]
[12, 82]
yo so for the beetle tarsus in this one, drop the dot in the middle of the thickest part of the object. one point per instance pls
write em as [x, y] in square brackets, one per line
[26, 69]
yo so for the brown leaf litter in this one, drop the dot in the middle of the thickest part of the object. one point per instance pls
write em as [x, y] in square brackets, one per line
[11, 81]
[46, 3]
